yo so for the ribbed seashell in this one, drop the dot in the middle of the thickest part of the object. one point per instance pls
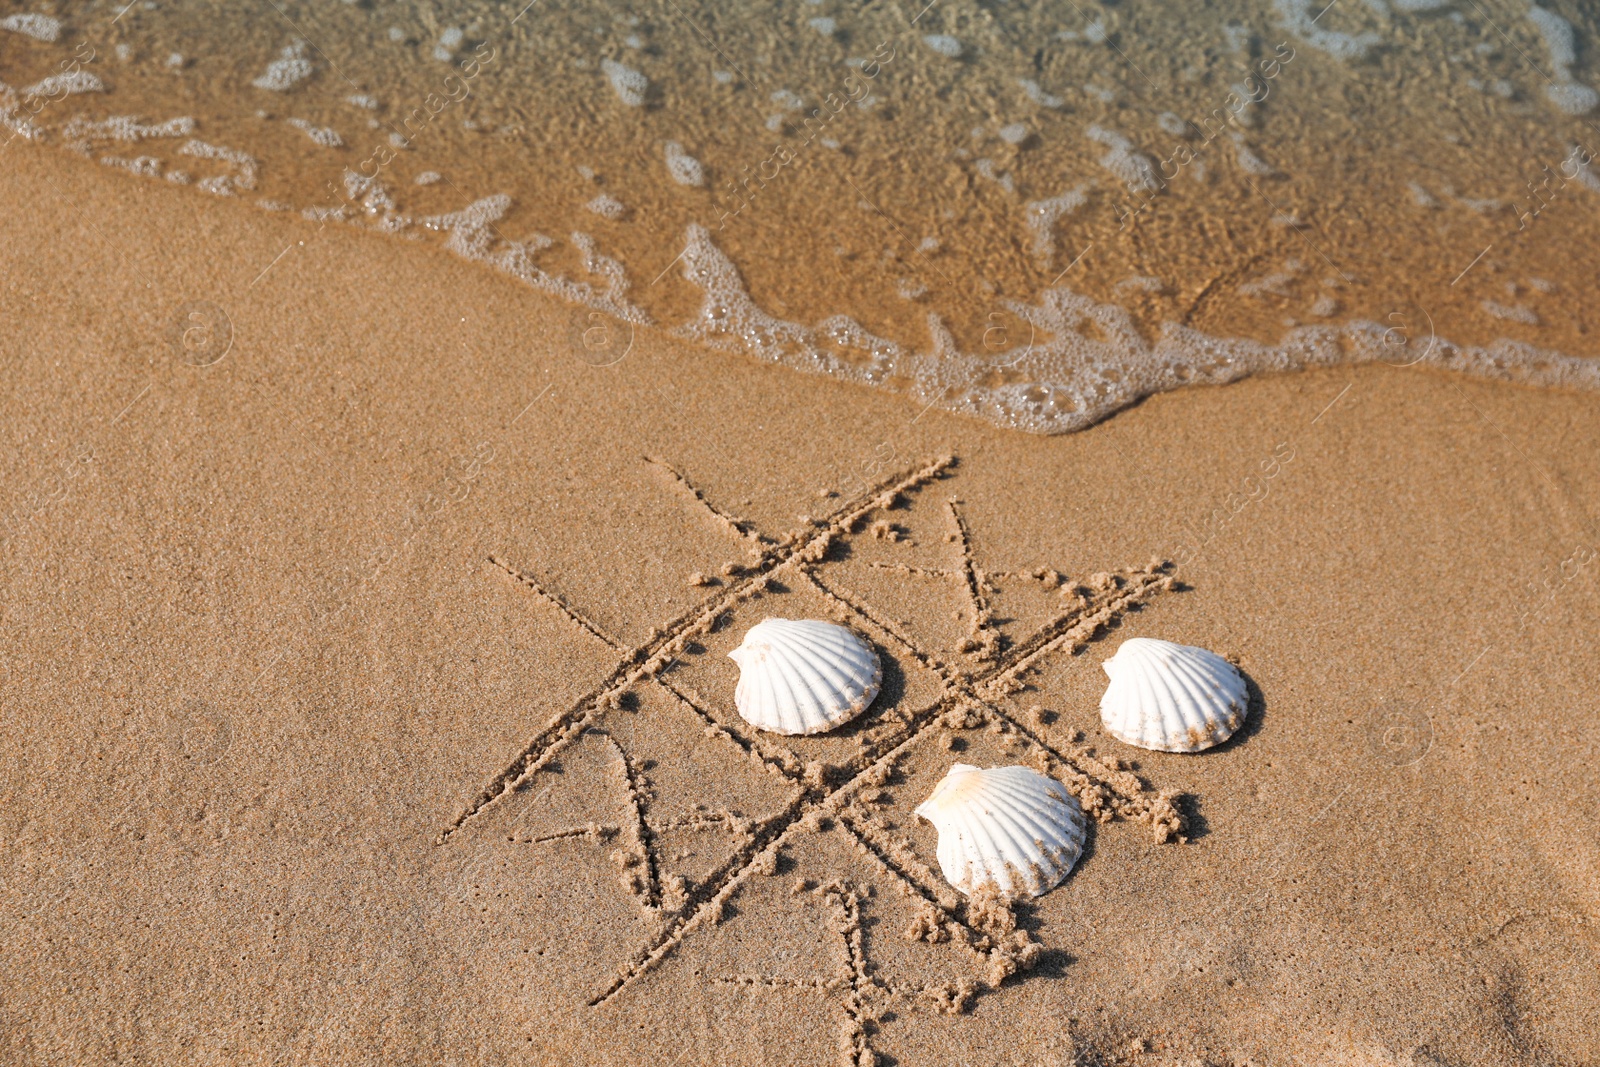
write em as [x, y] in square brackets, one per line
[1010, 827]
[804, 676]
[1172, 698]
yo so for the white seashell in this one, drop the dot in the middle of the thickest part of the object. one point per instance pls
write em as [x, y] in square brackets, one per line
[1010, 827]
[804, 676]
[1172, 698]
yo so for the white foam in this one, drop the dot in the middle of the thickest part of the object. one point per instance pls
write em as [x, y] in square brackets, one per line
[684, 168]
[124, 128]
[1144, 283]
[19, 125]
[1038, 95]
[242, 175]
[1092, 361]
[1274, 283]
[1559, 41]
[1093, 33]
[39, 27]
[449, 41]
[429, 177]
[729, 318]
[325, 213]
[825, 26]
[615, 298]
[1581, 169]
[986, 169]
[1572, 97]
[288, 70]
[1248, 161]
[1301, 18]
[472, 235]
[374, 199]
[607, 207]
[629, 84]
[1128, 166]
[1172, 124]
[144, 166]
[470, 229]
[1511, 312]
[1084, 360]
[77, 81]
[363, 100]
[944, 44]
[1014, 134]
[1041, 216]
[325, 136]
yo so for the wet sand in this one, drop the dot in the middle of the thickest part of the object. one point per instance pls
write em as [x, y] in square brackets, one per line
[276, 626]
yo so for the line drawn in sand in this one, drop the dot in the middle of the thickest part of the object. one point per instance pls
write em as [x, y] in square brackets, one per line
[977, 682]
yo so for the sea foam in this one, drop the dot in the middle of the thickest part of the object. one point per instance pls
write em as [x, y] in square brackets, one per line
[1085, 361]
[629, 85]
[39, 27]
[684, 168]
[288, 70]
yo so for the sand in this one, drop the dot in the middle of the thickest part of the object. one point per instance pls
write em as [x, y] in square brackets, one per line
[367, 700]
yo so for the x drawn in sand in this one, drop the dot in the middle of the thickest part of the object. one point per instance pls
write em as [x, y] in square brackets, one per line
[838, 787]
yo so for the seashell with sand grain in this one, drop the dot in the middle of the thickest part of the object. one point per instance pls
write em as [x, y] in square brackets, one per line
[1009, 827]
[804, 676]
[1172, 698]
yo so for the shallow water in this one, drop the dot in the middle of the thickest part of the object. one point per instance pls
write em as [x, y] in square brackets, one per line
[1033, 212]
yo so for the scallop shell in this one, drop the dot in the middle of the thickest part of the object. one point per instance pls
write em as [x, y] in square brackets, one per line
[1172, 698]
[1010, 826]
[804, 676]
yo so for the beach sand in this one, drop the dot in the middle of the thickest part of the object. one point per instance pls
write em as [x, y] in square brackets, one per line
[279, 628]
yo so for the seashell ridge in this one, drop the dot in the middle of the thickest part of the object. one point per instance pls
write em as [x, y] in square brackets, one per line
[1172, 698]
[804, 676]
[1010, 827]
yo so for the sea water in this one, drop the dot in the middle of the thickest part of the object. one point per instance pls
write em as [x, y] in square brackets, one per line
[1032, 211]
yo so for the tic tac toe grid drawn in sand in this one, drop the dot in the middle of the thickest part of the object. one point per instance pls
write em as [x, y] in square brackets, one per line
[689, 845]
